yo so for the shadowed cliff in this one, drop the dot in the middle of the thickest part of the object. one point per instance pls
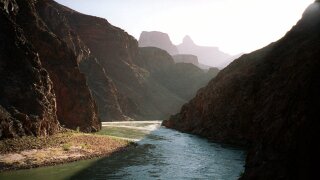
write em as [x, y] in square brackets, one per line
[27, 99]
[76, 69]
[53, 89]
[114, 65]
[269, 101]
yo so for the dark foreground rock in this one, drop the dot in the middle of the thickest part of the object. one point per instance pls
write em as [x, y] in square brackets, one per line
[269, 101]
[42, 83]
[27, 99]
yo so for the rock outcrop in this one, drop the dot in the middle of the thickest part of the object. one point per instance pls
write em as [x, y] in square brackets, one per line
[157, 39]
[210, 56]
[76, 31]
[73, 103]
[269, 101]
[27, 99]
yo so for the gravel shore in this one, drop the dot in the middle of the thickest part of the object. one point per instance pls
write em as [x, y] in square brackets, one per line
[29, 152]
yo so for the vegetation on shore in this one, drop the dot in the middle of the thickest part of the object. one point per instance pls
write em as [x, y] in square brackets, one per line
[122, 132]
[29, 151]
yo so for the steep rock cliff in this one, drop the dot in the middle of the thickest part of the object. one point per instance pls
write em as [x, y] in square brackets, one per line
[57, 18]
[27, 99]
[269, 100]
[115, 78]
[74, 104]
[81, 51]
[119, 73]
[75, 108]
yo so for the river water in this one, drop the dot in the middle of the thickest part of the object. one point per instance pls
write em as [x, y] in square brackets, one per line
[161, 154]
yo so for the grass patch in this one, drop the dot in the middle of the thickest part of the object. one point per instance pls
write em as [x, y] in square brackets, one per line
[122, 132]
[66, 147]
[29, 151]
[31, 142]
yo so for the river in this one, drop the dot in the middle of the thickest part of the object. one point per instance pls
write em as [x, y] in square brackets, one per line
[161, 154]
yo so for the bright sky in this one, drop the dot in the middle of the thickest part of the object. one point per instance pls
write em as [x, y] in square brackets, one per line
[234, 26]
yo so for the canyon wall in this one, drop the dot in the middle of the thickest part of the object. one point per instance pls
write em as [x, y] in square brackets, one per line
[27, 98]
[119, 73]
[87, 70]
[267, 100]
[69, 101]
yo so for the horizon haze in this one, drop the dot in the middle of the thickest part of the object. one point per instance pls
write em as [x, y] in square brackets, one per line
[235, 27]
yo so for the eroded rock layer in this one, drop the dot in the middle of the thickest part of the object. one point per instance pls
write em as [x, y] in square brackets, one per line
[27, 99]
[73, 104]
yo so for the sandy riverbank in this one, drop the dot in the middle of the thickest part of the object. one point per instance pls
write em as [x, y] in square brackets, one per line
[29, 152]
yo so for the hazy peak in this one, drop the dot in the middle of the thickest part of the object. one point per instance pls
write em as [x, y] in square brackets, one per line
[187, 40]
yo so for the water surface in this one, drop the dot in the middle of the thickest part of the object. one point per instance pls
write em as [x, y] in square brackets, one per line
[162, 154]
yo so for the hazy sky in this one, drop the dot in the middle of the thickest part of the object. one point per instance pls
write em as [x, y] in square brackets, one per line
[232, 25]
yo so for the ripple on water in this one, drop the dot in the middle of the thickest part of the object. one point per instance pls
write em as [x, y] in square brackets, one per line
[163, 154]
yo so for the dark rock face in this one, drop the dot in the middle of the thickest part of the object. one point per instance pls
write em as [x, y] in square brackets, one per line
[80, 51]
[112, 75]
[74, 105]
[210, 56]
[64, 23]
[119, 73]
[157, 39]
[27, 99]
[269, 100]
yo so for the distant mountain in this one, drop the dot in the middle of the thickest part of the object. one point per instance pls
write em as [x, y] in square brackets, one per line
[210, 56]
[60, 68]
[269, 101]
[207, 56]
[157, 39]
